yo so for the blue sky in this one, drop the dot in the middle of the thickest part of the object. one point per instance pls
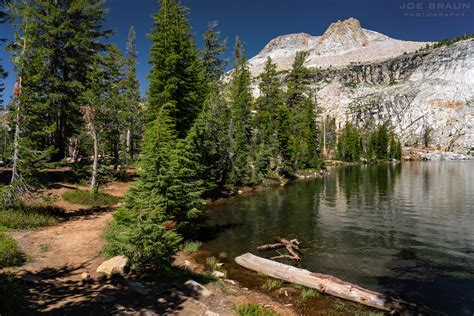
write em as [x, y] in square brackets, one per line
[258, 21]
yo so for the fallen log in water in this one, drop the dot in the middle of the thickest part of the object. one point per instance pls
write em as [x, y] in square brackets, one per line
[321, 282]
[291, 246]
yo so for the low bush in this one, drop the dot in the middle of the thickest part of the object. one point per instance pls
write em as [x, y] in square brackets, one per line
[24, 216]
[191, 246]
[251, 309]
[10, 252]
[272, 284]
[85, 198]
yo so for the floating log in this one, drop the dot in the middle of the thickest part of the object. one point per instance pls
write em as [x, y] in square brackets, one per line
[321, 282]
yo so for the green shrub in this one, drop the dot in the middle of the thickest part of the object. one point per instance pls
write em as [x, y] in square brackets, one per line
[146, 238]
[272, 284]
[191, 246]
[306, 293]
[26, 216]
[85, 198]
[211, 262]
[251, 309]
[10, 253]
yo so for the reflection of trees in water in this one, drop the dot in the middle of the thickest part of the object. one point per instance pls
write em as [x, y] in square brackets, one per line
[365, 185]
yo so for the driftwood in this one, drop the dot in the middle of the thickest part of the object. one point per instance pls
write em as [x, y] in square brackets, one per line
[292, 246]
[322, 282]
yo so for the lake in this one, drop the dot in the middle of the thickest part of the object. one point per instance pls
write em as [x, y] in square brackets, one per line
[404, 229]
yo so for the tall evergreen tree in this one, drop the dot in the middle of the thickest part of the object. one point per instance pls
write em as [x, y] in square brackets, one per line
[114, 106]
[175, 78]
[349, 144]
[64, 38]
[168, 195]
[266, 142]
[240, 128]
[379, 142]
[213, 48]
[305, 135]
[133, 109]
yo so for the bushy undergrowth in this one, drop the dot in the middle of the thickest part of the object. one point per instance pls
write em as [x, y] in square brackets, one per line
[10, 252]
[251, 309]
[24, 216]
[85, 198]
[191, 246]
[144, 238]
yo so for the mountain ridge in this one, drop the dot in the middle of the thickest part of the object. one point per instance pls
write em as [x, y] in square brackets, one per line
[343, 43]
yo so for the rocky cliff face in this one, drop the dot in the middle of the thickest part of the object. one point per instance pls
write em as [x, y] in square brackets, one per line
[415, 90]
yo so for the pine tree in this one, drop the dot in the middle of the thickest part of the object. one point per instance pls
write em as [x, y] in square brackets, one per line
[133, 109]
[395, 149]
[380, 142]
[168, 194]
[298, 82]
[176, 76]
[305, 135]
[349, 144]
[241, 102]
[285, 166]
[213, 48]
[103, 106]
[28, 151]
[115, 102]
[266, 143]
[64, 38]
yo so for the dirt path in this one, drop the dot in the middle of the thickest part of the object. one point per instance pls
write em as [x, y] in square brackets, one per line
[75, 243]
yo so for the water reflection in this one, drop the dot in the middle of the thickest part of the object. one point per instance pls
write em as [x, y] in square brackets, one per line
[406, 229]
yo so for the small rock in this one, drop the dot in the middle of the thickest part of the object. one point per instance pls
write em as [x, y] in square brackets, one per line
[218, 274]
[219, 265]
[245, 289]
[209, 313]
[240, 192]
[230, 281]
[162, 301]
[116, 265]
[197, 288]
[85, 277]
[139, 288]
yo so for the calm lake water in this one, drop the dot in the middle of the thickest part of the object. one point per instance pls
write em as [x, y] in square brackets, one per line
[403, 229]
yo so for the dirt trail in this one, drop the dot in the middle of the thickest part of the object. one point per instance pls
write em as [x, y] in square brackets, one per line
[74, 243]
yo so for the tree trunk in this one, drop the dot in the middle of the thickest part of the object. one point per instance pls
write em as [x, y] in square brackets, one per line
[95, 160]
[129, 146]
[16, 143]
[322, 282]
